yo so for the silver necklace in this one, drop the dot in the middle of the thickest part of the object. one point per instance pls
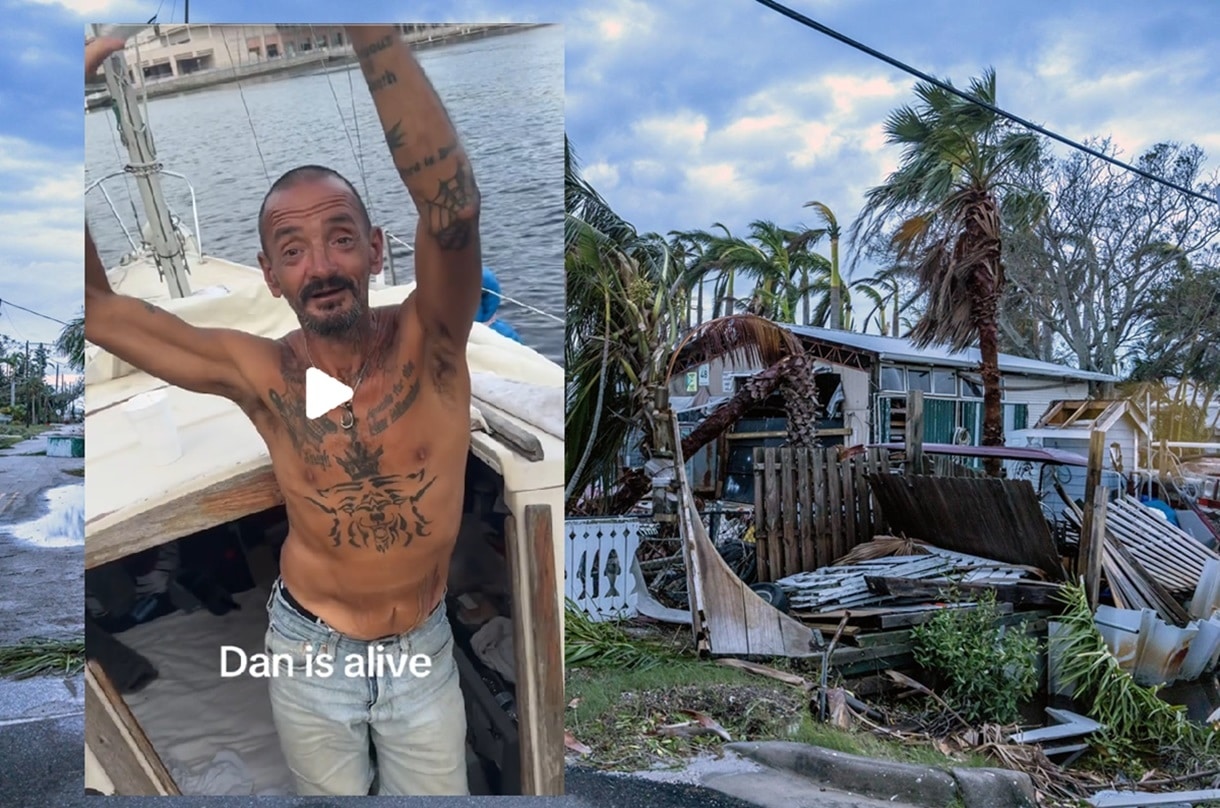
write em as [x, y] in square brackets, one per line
[348, 419]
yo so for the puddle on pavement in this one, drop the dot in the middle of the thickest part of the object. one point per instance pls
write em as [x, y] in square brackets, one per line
[700, 767]
[64, 524]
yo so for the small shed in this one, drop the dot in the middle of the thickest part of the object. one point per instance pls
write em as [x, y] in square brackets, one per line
[1068, 424]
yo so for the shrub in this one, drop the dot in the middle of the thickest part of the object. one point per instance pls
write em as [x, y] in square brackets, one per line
[990, 668]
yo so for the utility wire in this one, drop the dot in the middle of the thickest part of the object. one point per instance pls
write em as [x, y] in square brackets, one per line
[833, 34]
[31, 311]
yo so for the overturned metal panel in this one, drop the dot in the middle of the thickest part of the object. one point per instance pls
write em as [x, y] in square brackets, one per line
[992, 518]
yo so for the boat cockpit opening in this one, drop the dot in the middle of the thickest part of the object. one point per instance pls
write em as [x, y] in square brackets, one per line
[165, 625]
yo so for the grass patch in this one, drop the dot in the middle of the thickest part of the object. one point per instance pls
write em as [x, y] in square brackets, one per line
[80, 472]
[39, 656]
[867, 745]
[9, 442]
[618, 713]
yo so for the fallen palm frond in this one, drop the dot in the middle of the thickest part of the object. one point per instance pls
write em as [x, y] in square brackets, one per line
[882, 547]
[604, 644]
[1136, 720]
[42, 656]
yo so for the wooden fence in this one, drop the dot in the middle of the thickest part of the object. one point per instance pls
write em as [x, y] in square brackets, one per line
[811, 507]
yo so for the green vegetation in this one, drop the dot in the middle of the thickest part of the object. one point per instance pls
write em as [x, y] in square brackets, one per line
[866, 745]
[632, 702]
[605, 644]
[989, 668]
[42, 656]
[1137, 722]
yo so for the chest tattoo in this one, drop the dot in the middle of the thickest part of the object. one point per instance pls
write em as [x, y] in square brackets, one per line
[374, 508]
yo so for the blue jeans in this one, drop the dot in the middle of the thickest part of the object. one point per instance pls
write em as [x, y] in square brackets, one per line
[326, 720]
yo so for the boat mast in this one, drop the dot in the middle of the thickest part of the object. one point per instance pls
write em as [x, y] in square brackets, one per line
[168, 253]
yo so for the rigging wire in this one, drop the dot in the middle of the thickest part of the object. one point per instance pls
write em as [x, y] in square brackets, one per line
[249, 119]
[131, 194]
[876, 54]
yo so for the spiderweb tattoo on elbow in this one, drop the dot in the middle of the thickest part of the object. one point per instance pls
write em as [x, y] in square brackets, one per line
[450, 213]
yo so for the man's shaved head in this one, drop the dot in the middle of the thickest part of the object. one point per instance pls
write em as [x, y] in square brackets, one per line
[303, 174]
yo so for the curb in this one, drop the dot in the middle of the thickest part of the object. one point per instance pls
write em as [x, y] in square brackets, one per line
[928, 786]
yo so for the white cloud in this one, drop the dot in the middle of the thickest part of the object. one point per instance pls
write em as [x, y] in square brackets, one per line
[93, 8]
[682, 132]
[612, 24]
[601, 175]
[41, 217]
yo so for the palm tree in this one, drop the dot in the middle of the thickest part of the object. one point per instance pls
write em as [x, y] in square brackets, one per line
[71, 342]
[885, 290]
[949, 193]
[832, 231]
[777, 259]
[627, 304]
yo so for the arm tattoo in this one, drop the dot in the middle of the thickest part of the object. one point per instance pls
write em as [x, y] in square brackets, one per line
[384, 80]
[394, 138]
[447, 211]
[429, 161]
[369, 51]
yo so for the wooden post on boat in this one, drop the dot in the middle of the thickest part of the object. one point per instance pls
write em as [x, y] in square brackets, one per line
[914, 432]
[1088, 535]
[538, 647]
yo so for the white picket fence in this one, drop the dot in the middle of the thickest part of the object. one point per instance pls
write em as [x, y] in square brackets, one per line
[597, 574]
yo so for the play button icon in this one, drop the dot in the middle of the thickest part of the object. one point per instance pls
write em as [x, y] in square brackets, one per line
[323, 393]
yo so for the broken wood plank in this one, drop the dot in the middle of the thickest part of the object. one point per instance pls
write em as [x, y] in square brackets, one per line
[1091, 550]
[225, 501]
[765, 670]
[514, 437]
[993, 518]
[1016, 593]
[118, 743]
[1097, 449]
[728, 617]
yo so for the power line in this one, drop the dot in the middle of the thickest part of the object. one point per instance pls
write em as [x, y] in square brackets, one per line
[830, 32]
[31, 311]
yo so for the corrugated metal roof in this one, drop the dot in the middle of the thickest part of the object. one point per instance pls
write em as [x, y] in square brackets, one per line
[895, 349]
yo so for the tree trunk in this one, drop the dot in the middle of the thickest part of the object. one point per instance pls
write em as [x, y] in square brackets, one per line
[986, 285]
[836, 287]
[635, 483]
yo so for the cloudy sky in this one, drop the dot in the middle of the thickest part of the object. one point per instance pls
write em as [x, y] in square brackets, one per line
[683, 112]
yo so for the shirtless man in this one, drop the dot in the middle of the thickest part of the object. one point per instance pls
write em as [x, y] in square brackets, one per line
[373, 489]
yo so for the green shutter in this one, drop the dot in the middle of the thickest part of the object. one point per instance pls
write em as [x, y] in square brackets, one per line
[939, 420]
[972, 420]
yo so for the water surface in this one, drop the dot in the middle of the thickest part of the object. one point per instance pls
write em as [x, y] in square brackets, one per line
[504, 94]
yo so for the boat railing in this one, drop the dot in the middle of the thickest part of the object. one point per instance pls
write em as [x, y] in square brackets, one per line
[99, 184]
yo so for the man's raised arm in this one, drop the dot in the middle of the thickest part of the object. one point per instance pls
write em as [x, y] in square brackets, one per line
[436, 170]
[204, 360]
